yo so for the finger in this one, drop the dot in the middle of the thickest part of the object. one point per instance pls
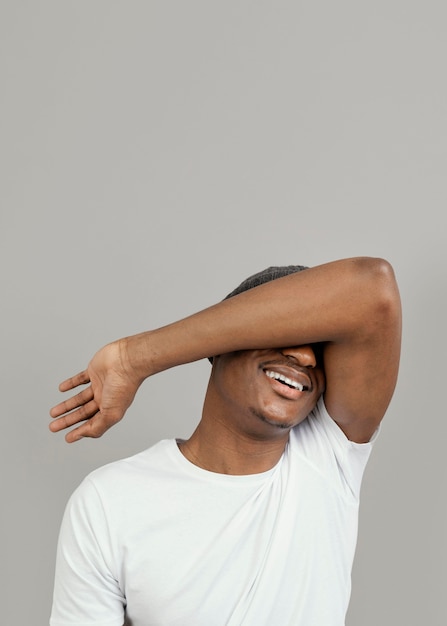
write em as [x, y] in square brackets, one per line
[94, 428]
[79, 379]
[78, 400]
[85, 412]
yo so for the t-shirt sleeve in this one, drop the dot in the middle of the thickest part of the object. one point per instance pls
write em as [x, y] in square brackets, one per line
[86, 590]
[326, 446]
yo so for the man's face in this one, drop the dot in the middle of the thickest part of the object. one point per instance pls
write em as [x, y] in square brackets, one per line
[267, 392]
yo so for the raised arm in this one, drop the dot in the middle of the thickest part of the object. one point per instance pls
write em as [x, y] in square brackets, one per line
[351, 305]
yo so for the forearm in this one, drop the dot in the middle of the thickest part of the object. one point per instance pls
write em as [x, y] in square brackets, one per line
[330, 303]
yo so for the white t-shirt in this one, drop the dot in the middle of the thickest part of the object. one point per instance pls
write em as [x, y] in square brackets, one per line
[182, 546]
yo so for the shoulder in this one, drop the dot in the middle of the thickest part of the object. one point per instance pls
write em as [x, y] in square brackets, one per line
[322, 443]
[124, 476]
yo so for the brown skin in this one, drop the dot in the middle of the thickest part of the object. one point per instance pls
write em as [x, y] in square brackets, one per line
[247, 416]
[352, 306]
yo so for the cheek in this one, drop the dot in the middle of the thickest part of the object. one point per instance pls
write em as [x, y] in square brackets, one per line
[233, 382]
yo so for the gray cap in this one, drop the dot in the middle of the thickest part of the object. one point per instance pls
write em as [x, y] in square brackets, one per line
[270, 273]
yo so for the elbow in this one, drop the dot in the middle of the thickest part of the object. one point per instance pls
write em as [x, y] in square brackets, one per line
[381, 292]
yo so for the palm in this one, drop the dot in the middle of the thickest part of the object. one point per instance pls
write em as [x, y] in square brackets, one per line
[103, 403]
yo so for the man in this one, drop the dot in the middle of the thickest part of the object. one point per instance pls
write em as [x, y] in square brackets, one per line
[253, 520]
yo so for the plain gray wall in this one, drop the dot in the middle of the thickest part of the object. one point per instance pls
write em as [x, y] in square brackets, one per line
[153, 154]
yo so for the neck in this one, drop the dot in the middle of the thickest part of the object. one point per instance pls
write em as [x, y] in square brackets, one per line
[219, 447]
[237, 459]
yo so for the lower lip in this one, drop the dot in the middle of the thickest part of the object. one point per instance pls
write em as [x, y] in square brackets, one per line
[284, 390]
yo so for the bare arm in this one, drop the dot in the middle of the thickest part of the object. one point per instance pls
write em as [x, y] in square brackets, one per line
[351, 305]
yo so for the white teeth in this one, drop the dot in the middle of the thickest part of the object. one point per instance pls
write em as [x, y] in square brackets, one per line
[284, 379]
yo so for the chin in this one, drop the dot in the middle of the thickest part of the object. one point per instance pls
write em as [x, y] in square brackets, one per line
[280, 423]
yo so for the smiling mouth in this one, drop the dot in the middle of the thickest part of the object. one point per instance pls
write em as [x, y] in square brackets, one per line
[285, 380]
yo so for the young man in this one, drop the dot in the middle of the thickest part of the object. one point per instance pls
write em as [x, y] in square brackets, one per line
[253, 520]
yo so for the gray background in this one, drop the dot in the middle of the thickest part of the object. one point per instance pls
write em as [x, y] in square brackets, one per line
[153, 154]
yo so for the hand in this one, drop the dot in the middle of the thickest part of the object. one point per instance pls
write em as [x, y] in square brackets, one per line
[113, 385]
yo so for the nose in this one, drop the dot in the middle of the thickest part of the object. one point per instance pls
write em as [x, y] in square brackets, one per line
[303, 355]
